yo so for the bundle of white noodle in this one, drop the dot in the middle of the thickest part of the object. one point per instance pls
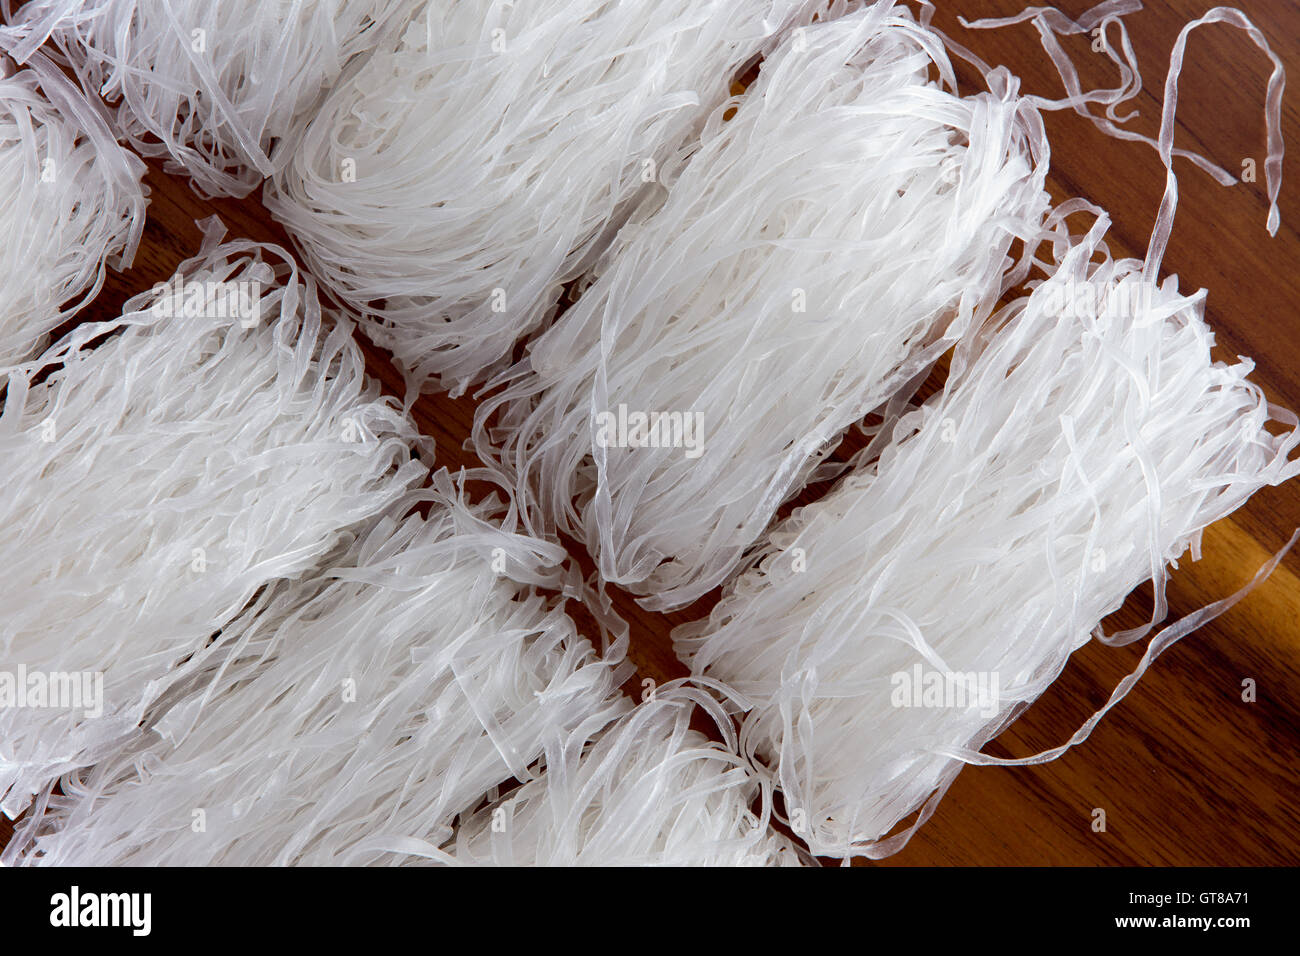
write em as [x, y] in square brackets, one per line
[816, 255]
[649, 791]
[355, 715]
[890, 629]
[447, 189]
[219, 87]
[71, 200]
[157, 480]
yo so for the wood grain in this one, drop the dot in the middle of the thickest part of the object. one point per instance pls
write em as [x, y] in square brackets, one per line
[1186, 771]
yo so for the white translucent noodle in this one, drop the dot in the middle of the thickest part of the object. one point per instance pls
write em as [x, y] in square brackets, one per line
[157, 478]
[71, 200]
[1082, 451]
[354, 715]
[1098, 22]
[815, 256]
[450, 186]
[649, 792]
[216, 86]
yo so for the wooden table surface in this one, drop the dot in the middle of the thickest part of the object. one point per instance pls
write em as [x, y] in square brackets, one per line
[1186, 771]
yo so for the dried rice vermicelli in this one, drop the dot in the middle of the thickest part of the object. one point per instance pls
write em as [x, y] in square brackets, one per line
[890, 629]
[71, 199]
[649, 791]
[820, 250]
[355, 714]
[481, 158]
[218, 87]
[160, 470]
